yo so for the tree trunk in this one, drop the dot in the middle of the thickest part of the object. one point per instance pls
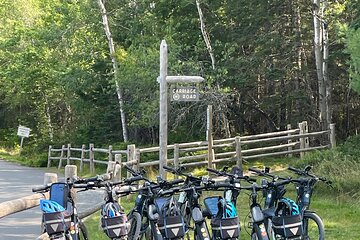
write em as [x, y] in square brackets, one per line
[319, 62]
[298, 54]
[205, 34]
[225, 125]
[115, 68]
[48, 116]
[327, 81]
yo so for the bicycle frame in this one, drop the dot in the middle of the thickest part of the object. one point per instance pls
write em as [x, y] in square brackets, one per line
[257, 216]
[191, 210]
[145, 206]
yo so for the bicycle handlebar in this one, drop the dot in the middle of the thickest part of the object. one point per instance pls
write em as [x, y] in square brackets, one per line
[179, 173]
[234, 176]
[41, 188]
[266, 174]
[306, 173]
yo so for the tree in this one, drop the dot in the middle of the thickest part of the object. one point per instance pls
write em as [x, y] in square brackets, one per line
[114, 61]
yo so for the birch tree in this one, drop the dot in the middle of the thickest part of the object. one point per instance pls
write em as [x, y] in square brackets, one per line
[115, 67]
[321, 60]
[222, 107]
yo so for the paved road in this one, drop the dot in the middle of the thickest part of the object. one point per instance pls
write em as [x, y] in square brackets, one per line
[16, 181]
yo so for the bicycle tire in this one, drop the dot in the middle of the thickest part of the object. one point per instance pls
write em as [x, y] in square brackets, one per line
[134, 219]
[313, 226]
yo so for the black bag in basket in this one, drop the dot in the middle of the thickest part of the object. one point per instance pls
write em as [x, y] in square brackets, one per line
[171, 223]
[288, 226]
[115, 227]
[57, 222]
[226, 227]
[287, 221]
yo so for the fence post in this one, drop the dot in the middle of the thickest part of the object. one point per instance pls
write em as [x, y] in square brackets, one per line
[137, 158]
[118, 166]
[110, 157]
[288, 127]
[239, 158]
[70, 174]
[306, 131]
[61, 156]
[131, 155]
[49, 157]
[210, 137]
[82, 158]
[302, 140]
[176, 158]
[111, 167]
[332, 135]
[91, 157]
[50, 178]
[68, 154]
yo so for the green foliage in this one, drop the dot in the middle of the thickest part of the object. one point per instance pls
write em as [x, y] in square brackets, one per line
[339, 167]
[56, 72]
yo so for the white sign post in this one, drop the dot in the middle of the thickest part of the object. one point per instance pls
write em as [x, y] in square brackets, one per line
[23, 132]
[163, 79]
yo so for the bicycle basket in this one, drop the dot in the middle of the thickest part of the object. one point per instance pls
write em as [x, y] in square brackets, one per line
[225, 227]
[57, 222]
[171, 223]
[288, 226]
[115, 227]
[59, 193]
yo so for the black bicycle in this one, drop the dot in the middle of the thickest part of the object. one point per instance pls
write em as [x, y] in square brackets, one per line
[145, 218]
[189, 203]
[283, 219]
[313, 225]
[60, 219]
[224, 219]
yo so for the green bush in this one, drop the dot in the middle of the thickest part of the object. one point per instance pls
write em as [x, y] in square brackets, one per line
[342, 169]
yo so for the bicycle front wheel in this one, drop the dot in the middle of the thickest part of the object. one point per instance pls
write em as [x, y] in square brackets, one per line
[135, 225]
[313, 227]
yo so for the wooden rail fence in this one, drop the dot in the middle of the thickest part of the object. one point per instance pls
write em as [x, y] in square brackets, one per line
[235, 150]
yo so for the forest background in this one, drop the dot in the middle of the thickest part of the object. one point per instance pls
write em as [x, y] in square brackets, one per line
[85, 71]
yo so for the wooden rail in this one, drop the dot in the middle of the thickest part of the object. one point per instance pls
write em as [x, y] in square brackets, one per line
[235, 150]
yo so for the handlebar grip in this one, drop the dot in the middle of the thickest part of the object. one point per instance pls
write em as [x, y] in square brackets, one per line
[81, 185]
[170, 191]
[176, 181]
[212, 170]
[284, 182]
[129, 169]
[255, 170]
[173, 170]
[40, 189]
[133, 179]
[294, 169]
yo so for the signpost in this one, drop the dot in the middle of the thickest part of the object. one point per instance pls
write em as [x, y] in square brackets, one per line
[23, 132]
[163, 79]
